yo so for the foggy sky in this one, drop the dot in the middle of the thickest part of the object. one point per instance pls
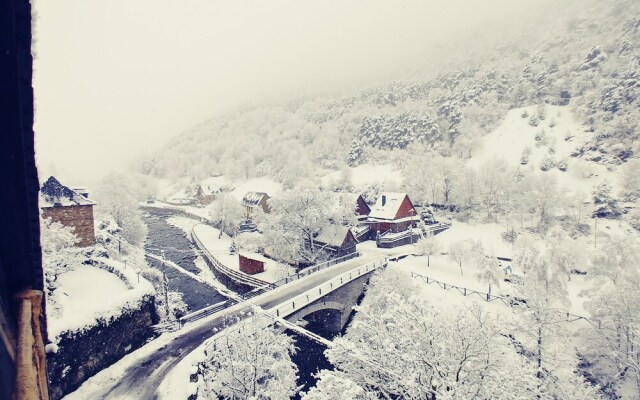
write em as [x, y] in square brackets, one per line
[115, 79]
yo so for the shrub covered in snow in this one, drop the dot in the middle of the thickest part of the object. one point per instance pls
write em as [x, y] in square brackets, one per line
[547, 163]
[526, 153]
[606, 206]
[541, 138]
[562, 165]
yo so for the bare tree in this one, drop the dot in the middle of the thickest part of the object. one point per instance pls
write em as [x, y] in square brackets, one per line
[459, 252]
[428, 246]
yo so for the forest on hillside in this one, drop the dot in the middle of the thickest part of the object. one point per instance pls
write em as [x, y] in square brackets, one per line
[589, 62]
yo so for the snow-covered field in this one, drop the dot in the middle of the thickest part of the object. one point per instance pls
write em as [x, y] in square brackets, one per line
[87, 293]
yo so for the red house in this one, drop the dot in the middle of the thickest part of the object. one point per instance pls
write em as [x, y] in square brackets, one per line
[393, 212]
[250, 266]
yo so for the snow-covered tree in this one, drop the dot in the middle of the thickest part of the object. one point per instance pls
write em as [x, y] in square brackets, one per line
[493, 183]
[333, 385]
[631, 180]
[544, 194]
[58, 256]
[428, 246]
[116, 198]
[614, 304]
[296, 217]
[177, 306]
[459, 253]
[564, 253]
[605, 205]
[541, 323]
[226, 212]
[577, 204]
[487, 266]
[400, 346]
[356, 153]
[249, 362]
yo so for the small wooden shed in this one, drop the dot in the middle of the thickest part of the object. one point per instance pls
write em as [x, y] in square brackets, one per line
[250, 265]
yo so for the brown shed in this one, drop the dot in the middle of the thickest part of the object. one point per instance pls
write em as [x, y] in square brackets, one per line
[250, 266]
[336, 240]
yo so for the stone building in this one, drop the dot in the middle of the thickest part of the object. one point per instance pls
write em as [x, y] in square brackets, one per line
[70, 208]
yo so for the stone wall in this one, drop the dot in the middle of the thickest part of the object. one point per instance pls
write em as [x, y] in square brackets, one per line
[78, 217]
[81, 355]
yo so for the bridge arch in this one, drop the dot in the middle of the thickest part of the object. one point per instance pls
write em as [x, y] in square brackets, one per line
[331, 313]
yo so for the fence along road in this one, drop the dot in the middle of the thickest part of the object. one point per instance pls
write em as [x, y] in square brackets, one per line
[506, 300]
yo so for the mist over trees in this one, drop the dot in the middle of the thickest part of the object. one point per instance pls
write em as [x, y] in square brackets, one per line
[593, 70]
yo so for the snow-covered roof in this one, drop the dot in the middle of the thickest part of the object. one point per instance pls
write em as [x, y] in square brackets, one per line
[387, 205]
[399, 220]
[215, 184]
[252, 199]
[55, 194]
[333, 235]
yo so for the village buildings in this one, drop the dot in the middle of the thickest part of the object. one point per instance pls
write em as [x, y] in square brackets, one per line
[254, 201]
[205, 194]
[70, 208]
[336, 241]
[393, 212]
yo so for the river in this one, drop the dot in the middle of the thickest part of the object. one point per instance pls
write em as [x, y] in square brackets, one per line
[178, 248]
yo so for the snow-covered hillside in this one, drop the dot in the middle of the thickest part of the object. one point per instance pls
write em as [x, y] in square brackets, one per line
[546, 145]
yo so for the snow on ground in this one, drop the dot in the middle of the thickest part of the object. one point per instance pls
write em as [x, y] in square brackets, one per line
[183, 223]
[510, 139]
[444, 269]
[219, 248]
[87, 293]
[488, 234]
[366, 174]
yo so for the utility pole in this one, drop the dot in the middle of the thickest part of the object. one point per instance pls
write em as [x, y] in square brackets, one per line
[595, 232]
[165, 281]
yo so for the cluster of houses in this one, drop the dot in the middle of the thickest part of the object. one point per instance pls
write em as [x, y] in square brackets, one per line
[392, 221]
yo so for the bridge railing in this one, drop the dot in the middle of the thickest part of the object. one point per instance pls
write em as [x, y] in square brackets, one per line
[318, 292]
[205, 312]
[301, 274]
[233, 274]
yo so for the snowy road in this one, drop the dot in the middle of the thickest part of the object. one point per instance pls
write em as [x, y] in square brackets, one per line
[139, 374]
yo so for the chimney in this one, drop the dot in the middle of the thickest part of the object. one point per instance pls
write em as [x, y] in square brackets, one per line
[384, 200]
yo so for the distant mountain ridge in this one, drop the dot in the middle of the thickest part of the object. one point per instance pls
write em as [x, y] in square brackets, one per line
[591, 63]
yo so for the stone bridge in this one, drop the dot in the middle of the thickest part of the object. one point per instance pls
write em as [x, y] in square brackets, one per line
[330, 312]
